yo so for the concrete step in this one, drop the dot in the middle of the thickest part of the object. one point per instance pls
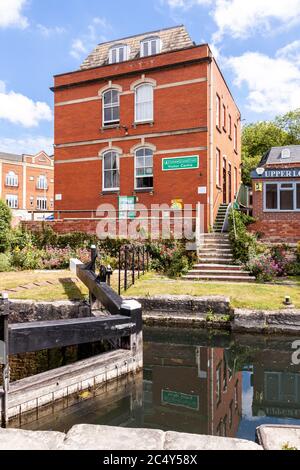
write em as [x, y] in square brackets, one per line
[214, 254]
[212, 234]
[215, 249]
[242, 278]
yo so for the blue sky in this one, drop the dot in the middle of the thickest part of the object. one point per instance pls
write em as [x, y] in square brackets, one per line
[257, 44]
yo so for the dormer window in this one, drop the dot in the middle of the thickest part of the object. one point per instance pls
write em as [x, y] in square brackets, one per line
[150, 46]
[286, 153]
[118, 54]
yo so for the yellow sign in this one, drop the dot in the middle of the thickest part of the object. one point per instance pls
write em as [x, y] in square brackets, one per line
[177, 204]
[258, 187]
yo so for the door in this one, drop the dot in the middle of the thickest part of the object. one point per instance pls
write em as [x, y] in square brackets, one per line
[224, 182]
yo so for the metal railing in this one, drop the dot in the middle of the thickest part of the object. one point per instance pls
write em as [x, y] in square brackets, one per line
[133, 262]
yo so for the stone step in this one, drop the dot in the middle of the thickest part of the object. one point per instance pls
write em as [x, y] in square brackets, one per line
[212, 234]
[215, 249]
[212, 266]
[218, 272]
[215, 254]
[242, 278]
[216, 260]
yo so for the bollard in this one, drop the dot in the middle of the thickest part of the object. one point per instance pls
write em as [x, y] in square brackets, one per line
[4, 312]
[109, 272]
[93, 257]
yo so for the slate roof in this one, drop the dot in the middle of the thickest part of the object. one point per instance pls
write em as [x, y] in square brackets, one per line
[171, 38]
[273, 156]
[11, 157]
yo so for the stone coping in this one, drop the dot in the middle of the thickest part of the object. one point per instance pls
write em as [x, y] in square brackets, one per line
[94, 437]
[279, 437]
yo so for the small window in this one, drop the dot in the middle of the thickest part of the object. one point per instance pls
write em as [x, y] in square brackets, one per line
[118, 54]
[235, 138]
[144, 103]
[224, 117]
[144, 169]
[41, 203]
[111, 171]
[12, 179]
[286, 197]
[218, 172]
[218, 112]
[271, 197]
[42, 182]
[111, 107]
[230, 126]
[12, 201]
[150, 46]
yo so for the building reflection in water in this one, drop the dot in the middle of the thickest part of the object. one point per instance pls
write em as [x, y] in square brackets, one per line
[191, 388]
[192, 382]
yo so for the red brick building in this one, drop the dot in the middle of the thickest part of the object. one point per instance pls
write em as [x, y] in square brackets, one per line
[276, 195]
[27, 181]
[148, 116]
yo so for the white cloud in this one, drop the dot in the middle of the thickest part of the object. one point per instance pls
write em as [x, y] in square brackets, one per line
[50, 31]
[96, 33]
[27, 144]
[243, 18]
[273, 84]
[290, 52]
[11, 14]
[19, 109]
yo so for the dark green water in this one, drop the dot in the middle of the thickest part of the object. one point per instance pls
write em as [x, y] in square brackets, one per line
[198, 382]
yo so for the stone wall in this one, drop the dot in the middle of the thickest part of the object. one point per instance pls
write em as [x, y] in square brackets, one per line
[23, 311]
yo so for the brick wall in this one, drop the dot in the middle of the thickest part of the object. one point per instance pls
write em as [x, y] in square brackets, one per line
[184, 106]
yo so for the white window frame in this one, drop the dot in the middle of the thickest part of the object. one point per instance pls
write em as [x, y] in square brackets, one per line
[106, 170]
[149, 42]
[12, 180]
[117, 48]
[41, 203]
[42, 182]
[145, 176]
[224, 117]
[137, 88]
[279, 189]
[109, 106]
[12, 201]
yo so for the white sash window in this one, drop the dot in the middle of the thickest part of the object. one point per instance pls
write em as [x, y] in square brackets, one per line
[144, 103]
[111, 171]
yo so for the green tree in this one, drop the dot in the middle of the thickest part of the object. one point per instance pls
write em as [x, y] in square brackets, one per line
[257, 139]
[290, 123]
[5, 222]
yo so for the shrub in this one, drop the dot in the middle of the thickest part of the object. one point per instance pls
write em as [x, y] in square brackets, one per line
[4, 262]
[20, 238]
[27, 258]
[169, 257]
[264, 267]
[244, 244]
[5, 221]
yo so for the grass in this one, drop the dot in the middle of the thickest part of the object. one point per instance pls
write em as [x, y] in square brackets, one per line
[242, 295]
[64, 287]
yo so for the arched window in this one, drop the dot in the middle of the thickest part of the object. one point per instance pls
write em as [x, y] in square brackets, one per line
[144, 168]
[42, 182]
[150, 46]
[12, 179]
[118, 53]
[111, 171]
[111, 107]
[144, 103]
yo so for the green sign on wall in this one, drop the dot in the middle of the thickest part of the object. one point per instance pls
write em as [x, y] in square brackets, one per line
[180, 399]
[180, 163]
